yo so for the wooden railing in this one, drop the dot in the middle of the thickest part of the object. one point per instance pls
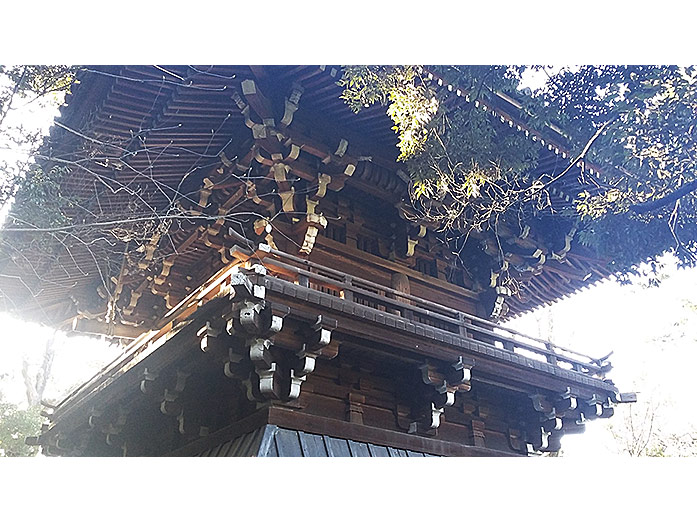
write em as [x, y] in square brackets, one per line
[419, 310]
[357, 290]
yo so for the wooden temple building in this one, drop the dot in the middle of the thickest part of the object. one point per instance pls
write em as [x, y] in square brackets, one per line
[287, 303]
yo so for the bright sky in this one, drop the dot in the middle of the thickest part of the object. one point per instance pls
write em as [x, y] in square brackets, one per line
[77, 358]
[33, 115]
[652, 332]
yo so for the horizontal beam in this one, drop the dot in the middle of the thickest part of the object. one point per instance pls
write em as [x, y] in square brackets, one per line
[366, 434]
[100, 328]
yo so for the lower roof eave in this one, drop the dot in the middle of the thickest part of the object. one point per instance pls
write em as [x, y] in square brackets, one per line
[278, 420]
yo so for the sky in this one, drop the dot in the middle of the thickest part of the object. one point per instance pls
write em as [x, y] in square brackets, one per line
[77, 358]
[652, 332]
[31, 114]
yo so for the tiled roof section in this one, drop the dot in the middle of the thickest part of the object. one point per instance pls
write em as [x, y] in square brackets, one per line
[244, 446]
[503, 109]
[186, 125]
[274, 441]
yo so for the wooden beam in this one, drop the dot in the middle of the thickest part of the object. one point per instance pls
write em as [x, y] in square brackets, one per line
[257, 101]
[95, 327]
[341, 429]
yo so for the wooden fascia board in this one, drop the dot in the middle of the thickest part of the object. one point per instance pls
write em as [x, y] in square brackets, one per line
[342, 429]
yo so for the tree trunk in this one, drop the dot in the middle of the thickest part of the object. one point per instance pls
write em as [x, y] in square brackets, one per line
[35, 388]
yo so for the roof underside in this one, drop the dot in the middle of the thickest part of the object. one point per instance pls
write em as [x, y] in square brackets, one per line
[169, 134]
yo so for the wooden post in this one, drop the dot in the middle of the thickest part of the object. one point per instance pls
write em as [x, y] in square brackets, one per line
[551, 357]
[463, 322]
[478, 437]
[348, 293]
[400, 282]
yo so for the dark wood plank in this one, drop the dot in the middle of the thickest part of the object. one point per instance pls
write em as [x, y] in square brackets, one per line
[273, 451]
[223, 449]
[378, 451]
[342, 429]
[229, 433]
[312, 445]
[359, 450]
[288, 443]
[267, 445]
[337, 447]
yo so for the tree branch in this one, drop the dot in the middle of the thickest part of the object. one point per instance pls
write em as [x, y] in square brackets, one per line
[581, 156]
[652, 205]
[14, 92]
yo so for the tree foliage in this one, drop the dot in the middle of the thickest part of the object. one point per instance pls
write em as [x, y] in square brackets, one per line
[469, 171]
[20, 86]
[640, 431]
[648, 201]
[15, 425]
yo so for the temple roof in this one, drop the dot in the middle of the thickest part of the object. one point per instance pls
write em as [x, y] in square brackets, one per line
[274, 441]
[170, 129]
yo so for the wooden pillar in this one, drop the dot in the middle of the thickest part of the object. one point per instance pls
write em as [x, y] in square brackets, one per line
[354, 407]
[478, 433]
[400, 282]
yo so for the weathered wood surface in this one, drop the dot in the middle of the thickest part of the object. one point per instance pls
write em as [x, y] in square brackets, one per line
[362, 312]
[382, 371]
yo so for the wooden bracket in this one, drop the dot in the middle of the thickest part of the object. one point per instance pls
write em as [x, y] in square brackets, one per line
[252, 192]
[443, 386]
[209, 336]
[150, 248]
[214, 228]
[411, 245]
[270, 373]
[172, 299]
[592, 408]
[167, 264]
[189, 423]
[323, 180]
[314, 223]
[517, 441]
[428, 423]
[135, 296]
[169, 405]
[149, 383]
[291, 104]
[263, 226]
[566, 402]
[205, 193]
[455, 379]
[287, 202]
[561, 255]
[253, 323]
[556, 414]
[414, 234]
[110, 424]
[317, 344]
[166, 390]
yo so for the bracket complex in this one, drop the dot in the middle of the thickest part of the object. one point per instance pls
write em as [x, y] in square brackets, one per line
[248, 331]
[442, 387]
